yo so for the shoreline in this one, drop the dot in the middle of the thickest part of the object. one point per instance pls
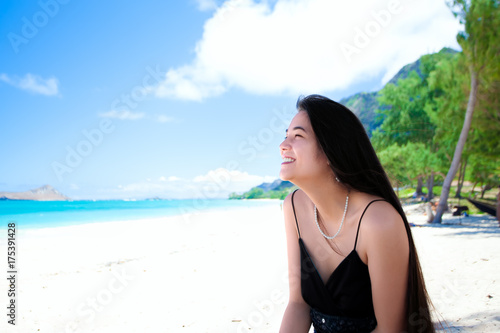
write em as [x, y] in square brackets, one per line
[196, 206]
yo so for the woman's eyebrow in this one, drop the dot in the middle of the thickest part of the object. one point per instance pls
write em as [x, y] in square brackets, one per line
[296, 128]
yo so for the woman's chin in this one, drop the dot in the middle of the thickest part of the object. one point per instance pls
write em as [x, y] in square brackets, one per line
[284, 176]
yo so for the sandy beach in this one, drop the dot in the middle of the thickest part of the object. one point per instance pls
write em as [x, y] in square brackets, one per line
[219, 271]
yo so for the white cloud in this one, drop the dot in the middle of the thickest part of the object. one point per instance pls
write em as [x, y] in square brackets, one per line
[140, 189]
[223, 175]
[123, 115]
[164, 119]
[190, 83]
[218, 183]
[169, 179]
[129, 115]
[34, 84]
[305, 46]
[206, 5]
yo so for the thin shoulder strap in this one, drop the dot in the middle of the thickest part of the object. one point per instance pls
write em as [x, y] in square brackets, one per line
[293, 206]
[359, 223]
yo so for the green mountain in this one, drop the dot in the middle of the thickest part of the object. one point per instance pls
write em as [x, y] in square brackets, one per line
[365, 104]
[277, 185]
[278, 189]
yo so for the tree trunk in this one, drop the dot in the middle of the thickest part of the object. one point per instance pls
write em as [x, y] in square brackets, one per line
[428, 210]
[443, 200]
[420, 184]
[430, 186]
[457, 194]
[473, 188]
[461, 178]
[485, 188]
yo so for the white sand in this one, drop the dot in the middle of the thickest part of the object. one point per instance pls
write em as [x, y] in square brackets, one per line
[461, 264]
[219, 271]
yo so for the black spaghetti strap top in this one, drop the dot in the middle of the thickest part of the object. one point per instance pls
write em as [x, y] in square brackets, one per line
[346, 295]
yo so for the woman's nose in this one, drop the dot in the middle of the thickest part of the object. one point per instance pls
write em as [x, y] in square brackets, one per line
[284, 145]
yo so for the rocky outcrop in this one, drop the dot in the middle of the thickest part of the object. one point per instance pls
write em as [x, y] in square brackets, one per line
[44, 193]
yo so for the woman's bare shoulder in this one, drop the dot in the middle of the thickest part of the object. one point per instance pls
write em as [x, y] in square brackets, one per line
[381, 222]
[381, 214]
[382, 226]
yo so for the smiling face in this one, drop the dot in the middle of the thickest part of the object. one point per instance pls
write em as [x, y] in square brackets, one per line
[303, 158]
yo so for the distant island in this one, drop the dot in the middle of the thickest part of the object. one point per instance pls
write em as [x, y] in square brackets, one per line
[278, 189]
[44, 193]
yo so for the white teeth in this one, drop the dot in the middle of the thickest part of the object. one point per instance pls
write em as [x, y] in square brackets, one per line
[286, 159]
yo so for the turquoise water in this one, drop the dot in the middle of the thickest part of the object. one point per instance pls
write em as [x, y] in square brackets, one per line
[42, 214]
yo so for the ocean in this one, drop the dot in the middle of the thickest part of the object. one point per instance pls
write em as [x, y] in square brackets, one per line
[44, 214]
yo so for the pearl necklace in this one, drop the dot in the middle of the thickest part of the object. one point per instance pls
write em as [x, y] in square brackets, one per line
[341, 223]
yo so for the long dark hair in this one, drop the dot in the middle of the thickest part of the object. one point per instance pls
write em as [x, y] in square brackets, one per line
[354, 161]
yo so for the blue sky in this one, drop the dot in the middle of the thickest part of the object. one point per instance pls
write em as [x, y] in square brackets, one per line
[181, 99]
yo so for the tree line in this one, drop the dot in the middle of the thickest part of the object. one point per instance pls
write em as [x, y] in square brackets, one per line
[444, 122]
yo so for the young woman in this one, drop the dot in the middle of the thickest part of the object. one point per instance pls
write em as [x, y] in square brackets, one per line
[352, 262]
